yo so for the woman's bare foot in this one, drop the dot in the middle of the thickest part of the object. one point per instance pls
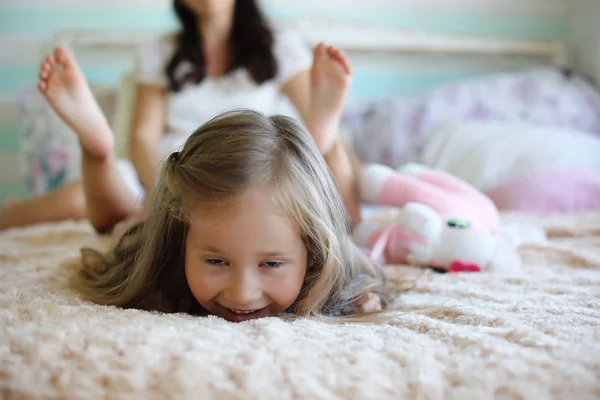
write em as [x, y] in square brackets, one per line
[65, 88]
[330, 80]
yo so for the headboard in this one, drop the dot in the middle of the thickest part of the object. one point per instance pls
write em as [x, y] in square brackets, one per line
[351, 37]
[385, 60]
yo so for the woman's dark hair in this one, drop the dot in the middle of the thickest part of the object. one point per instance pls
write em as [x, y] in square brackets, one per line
[250, 44]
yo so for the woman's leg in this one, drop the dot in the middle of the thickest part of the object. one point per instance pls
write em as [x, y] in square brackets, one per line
[330, 80]
[345, 168]
[68, 202]
[107, 197]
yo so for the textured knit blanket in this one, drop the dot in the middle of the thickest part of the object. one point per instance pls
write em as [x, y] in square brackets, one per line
[531, 334]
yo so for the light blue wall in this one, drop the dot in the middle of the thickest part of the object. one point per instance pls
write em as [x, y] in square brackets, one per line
[51, 18]
[34, 22]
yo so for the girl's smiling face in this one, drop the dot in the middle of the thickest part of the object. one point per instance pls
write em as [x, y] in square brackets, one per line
[245, 260]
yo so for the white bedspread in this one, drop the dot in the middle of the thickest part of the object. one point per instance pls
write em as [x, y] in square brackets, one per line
[534, 334]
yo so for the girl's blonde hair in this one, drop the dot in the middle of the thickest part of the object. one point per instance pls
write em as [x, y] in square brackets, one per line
[224, 158]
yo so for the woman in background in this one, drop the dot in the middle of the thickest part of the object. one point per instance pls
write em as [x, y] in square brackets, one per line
[224, 57]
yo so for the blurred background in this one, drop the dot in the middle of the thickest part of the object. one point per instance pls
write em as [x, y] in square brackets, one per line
[28, 28]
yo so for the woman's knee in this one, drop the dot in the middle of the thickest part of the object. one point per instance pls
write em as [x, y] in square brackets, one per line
[72, 198]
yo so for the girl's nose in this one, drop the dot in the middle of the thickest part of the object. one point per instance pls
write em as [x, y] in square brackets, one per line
[243, 289]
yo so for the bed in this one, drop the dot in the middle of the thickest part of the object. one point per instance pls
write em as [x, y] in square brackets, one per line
[531, 332]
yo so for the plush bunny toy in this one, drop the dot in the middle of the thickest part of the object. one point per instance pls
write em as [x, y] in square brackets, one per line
[440, 221]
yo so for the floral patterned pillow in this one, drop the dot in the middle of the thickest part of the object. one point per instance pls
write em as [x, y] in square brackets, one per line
[49, 151]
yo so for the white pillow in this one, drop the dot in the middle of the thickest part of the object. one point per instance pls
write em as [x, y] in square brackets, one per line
[486, 153]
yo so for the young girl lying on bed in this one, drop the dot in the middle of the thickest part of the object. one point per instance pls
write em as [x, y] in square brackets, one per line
[246, 220]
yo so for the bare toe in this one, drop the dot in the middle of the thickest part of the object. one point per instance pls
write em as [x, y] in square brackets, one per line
[44, 70]
[340, 57]
[42, 86]
[320, 50]
[46, 67]
[63, 56]
[49, 61]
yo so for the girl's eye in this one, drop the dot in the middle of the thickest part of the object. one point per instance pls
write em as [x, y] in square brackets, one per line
[216, 261]
[272, 264]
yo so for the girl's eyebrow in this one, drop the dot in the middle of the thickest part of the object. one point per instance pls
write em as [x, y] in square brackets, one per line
[265, 254]
[208, 248]
[269, 254]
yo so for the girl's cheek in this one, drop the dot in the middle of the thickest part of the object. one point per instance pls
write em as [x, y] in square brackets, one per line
[202, 284]
[194, 277]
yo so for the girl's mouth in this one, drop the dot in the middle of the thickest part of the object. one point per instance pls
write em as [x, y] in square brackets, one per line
[242, 311]
[235, 315]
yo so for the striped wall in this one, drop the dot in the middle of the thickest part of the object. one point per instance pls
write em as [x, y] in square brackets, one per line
[25, 25]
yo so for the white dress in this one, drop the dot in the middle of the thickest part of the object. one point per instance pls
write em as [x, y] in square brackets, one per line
[193, 105]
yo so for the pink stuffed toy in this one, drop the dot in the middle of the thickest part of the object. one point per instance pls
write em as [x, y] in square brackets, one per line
[440, 221]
